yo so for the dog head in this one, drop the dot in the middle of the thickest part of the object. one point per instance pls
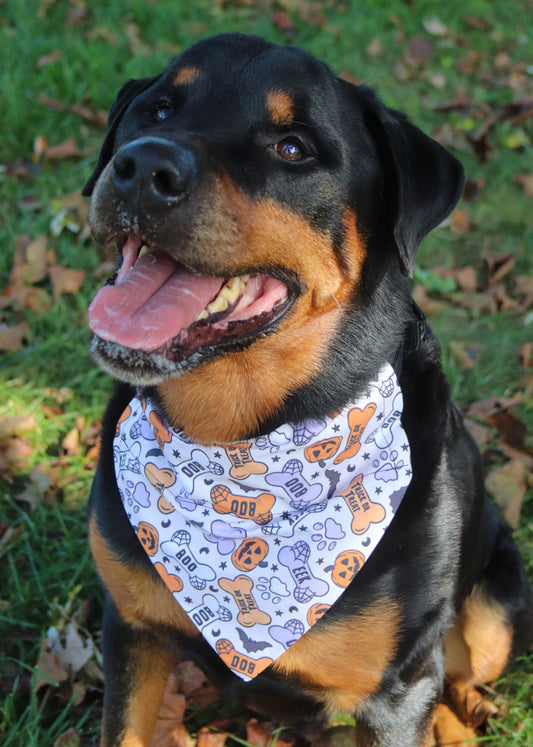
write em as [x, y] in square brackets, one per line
[256, 202]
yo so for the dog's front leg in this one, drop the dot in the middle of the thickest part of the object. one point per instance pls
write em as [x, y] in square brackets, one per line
[402, 714]
[136, 669]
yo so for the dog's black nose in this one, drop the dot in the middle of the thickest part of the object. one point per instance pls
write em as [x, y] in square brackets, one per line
[153, 172]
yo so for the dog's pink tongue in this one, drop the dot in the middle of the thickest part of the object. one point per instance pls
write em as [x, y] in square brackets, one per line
[153, 299]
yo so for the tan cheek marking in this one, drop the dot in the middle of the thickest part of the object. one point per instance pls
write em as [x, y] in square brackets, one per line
[140, 598]
[280, 107]
[343, 664]
[186, 75]
[258, 379]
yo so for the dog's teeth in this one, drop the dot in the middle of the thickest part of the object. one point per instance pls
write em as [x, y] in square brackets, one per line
[217, 304]
[142, 250]
[227, 295]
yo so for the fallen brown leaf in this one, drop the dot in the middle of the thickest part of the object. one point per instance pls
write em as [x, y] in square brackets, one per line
[14, 337]
[66, 149]
[507, 485]
[48, 59]
[49, 669]
[526, 182]
[65, 280]
[69, 738]
[25, 297]
[460, 222]
[209, 738]
[13, 426]
[30, 260]
[464, 354]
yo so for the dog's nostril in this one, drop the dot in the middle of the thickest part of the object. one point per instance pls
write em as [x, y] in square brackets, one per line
[169, 182]
[124, 166]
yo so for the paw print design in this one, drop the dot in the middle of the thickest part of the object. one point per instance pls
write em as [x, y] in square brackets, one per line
[288, 634]
[178, 547]
[273, 441]
[291, 479]
[296, 558]
[208, 611]
[305, 430]
[390, 470]
[331, 530]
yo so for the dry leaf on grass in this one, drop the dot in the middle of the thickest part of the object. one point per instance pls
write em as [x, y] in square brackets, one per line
[507, 485]
[65, 280]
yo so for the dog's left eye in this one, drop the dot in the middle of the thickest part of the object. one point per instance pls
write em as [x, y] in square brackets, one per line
[161, 111]
[290, 149]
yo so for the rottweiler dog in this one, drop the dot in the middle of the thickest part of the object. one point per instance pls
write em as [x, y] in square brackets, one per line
[281, 458]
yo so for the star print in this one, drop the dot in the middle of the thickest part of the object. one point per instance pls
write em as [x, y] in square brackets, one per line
[279, 613]
[176, 454]
[205, 512]
[405, 447]
[188, 600]
[366, 456]
[337, 507]
[320, 561]
[303, 529]
[408, 472]
[275, 459]
[223, 566]
[277, 541]
[315, 475]
[274, 567]
[217, 454]
[380, 416]
[285, 515]
[226, 599]
[379, 491]
[336, 427]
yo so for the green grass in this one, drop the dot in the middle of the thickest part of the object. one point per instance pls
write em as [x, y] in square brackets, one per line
[49, 578]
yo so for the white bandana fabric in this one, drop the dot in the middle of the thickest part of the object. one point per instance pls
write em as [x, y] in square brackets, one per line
[257, 539]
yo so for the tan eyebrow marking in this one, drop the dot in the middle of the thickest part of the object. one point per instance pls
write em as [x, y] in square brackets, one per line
[186, 75]
[281, 107]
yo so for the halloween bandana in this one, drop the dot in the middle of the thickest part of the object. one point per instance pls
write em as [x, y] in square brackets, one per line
[257, 539]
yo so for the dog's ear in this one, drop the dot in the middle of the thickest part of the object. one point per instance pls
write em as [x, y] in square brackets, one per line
[125, 96]
[423, 180]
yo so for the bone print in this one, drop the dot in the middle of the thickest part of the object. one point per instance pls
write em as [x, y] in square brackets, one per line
[198, 464]
[241, 590]
[178, 547]
[294, 484]
[239, 662]
[295, 558]
[242, 461]
[357, 422]
[208, 611]
[382, 436]
[256, 508]
[364, 511]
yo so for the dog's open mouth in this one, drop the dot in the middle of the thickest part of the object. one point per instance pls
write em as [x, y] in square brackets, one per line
[154, 303]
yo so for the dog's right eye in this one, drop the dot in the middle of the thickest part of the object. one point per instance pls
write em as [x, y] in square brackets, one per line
[161, 111]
